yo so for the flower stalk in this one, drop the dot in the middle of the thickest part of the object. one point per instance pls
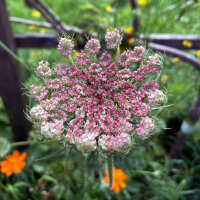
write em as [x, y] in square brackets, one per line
[110, 172]
[15, 144]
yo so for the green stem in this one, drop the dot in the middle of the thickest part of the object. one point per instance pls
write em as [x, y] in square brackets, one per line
[4, 187]
[132, 81]
[70, 58]
[11, 52]
[118, 52]
[110, 172]
[21, 61]
[15, 144]
[157, 77]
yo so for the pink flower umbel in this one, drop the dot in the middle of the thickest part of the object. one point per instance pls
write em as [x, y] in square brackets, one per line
[96, 102]
[93, 46]
[44, 69]
[113, 39]
[65, 46]
[82, 59]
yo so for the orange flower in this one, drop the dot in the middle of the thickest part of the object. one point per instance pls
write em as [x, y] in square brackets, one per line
[118, 179]
[14, 163]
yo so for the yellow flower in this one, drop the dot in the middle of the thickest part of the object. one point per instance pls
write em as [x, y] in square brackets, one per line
[128, 30]
[32, 54]
[184, 43]
[109, 28]
[76, 53]
[187, 43]
[14, 163]
[35, 14]
[108, 9]
[118, 179]
[164, 77]
[31, 27]
[198, 53]
[43, 30]
[142, 2]
[74, 42]
[131, 40]
[176, 59]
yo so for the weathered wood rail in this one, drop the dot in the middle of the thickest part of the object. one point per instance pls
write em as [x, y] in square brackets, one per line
[51, 41]
[47, 40]
[11, 80]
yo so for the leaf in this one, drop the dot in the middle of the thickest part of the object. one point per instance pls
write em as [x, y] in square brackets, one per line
[48, 178]
[14, 191]
[22, 184]
[4, 146]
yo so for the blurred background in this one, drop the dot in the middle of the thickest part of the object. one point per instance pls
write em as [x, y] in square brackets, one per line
[164, 167]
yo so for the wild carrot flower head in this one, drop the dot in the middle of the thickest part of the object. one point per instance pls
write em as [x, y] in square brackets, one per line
[14, 163]
[93, 46]
[43, 69]
[113, 39]
[118, 180]
[65, 46]
[82, 59]
[97, 102]
[105, 59]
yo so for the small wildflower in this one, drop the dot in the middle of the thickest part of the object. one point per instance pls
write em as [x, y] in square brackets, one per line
[108, 28]
[163, 78]
[184, 43]
[43, 30]
[128, 30]
[31, 27]
[187, 43]
[32, 54]
[108, 9]
[118, 179]
[76, 53]
[131, 40]
[176, 59]
[198, 53]
[35, 14]
[14, 163]
[142, 2]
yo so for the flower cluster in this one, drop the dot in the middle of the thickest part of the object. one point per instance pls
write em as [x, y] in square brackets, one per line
[96, 102]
